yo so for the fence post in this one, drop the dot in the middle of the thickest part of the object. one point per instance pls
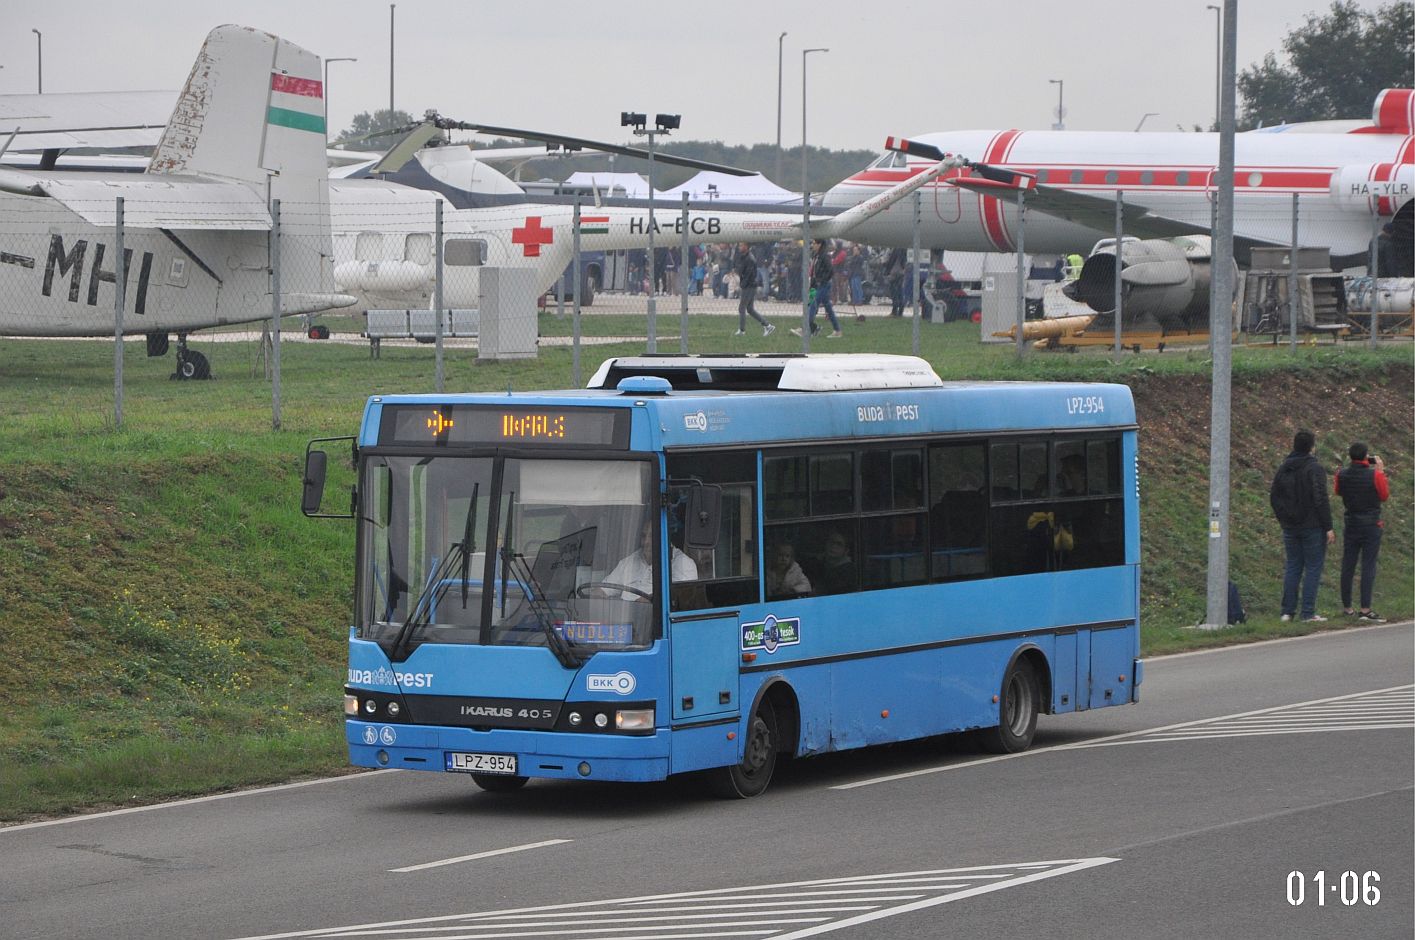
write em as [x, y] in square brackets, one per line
[1119, 282]
[121, 269]
[1021, 344]
[1372, 264]
[918, 290]
[575, 315]
[275, 314]
[437, 291]
[1292, 280]
[685, 277]
[805, 273]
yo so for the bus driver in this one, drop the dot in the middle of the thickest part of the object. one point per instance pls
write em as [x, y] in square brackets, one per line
[635, 570]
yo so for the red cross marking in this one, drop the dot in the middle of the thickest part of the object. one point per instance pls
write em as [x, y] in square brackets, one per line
[532, 235]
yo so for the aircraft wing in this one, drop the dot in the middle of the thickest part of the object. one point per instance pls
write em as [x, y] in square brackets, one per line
[173, 202]
[85, 119]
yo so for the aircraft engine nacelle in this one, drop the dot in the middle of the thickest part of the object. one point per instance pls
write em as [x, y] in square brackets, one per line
[381, 277]
[1383, 187]
[1165, 282]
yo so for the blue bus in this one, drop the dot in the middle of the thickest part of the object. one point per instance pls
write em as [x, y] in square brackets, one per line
[706, 564]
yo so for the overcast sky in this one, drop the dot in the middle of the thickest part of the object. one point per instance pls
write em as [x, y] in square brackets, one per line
[554, 65]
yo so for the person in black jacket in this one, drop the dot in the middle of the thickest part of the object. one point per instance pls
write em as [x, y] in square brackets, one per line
[822, 273]
[748, 282]
[1306, 526]
[1362, 487]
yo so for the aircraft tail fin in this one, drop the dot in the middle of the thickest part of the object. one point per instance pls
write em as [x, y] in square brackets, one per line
[252, 110]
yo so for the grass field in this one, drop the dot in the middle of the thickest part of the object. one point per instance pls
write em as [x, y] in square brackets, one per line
[171, 625]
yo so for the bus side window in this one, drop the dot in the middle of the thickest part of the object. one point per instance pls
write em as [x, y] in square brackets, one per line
[727, 573]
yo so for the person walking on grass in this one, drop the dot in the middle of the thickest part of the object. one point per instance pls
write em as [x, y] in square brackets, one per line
[1299, 500]
[1362, 486]
[748, 279]
[822, 273]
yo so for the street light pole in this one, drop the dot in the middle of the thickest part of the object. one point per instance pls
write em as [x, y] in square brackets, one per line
[326, 89]
[39, 44]
[804, 53]
[1218, 59]
[778, 107]
[391, 7]
[1060, 84]
[663, 124]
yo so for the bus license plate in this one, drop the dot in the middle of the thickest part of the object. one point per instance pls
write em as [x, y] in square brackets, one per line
[481, 763]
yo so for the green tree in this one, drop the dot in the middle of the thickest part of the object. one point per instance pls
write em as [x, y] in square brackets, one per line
[374, 131]
[1335, 66]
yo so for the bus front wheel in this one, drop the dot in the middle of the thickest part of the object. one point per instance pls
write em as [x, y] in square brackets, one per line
[1017, 706]
[498, 783]
[750, 777]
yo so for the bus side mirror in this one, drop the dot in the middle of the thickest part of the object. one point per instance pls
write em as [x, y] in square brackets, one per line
[316, 462]
[703, 519]
[316, 470]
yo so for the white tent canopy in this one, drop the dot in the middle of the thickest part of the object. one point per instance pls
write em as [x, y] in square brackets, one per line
[710, 184]
[631, 185]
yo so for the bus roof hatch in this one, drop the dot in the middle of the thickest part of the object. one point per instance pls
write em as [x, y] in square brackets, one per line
[753, 373]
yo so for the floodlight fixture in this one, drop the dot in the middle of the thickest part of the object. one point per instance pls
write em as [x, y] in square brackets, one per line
[668, 122]
[631, 119]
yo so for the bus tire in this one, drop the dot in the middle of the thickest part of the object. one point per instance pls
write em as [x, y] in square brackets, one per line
[498, 783]
[750, 777]
[1017, 708]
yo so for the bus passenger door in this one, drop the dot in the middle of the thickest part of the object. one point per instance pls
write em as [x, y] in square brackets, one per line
[705, 650]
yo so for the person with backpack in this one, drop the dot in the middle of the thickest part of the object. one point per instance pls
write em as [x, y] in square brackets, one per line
[1362, 486]
[1299, 500]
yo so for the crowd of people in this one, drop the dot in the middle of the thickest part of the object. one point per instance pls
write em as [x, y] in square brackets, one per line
[856, 275]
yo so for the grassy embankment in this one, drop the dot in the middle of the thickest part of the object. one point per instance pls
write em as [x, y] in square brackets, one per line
[171, 625]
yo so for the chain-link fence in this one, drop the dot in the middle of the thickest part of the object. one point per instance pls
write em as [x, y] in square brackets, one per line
[380, 265]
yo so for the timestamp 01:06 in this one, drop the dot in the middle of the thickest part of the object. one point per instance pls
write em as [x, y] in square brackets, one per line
[1348, 887]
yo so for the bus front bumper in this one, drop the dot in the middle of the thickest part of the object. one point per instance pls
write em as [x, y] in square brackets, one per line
[570, 756]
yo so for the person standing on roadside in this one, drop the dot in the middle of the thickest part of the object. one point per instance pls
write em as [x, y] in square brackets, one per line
[748, 279]
[822, 274]
[1362, 486]
[1299, 500]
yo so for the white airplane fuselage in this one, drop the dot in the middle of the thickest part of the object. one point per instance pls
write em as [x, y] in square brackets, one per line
[1346, 184]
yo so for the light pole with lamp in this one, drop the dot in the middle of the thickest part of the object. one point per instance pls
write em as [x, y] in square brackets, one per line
[1060, 84]
[778, 106]
[326, 88]
[39, 45]
[1218, 57]
[664, 123]
[391, 8]
[804, 53]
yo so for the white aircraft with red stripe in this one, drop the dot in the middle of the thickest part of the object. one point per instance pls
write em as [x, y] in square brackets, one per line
[1349, 178]
[247, 129]
[1345, 180]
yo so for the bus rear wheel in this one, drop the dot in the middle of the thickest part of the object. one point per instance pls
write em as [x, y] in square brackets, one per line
[1018, 705]
[498, 783]
[750, 777]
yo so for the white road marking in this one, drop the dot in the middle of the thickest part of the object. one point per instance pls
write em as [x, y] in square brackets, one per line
[254, 791]
[471, 858]
[1374, 705]
[720, 912]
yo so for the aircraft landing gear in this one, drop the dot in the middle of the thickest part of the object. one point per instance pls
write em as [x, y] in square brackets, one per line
[190, 363]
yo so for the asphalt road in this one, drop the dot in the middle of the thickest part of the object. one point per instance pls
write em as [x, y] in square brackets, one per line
[1183, 816]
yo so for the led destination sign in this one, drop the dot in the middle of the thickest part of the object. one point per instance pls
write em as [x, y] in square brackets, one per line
[445, 424]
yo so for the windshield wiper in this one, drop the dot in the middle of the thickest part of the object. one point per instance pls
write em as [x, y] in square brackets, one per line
[535, 599]
[437, 584]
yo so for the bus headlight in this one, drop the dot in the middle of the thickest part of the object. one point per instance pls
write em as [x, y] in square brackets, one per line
[634, 719]
[351, 704]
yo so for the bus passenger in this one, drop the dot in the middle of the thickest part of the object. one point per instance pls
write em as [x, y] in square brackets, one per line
[784, 577]
[635, 570]
[838, 569]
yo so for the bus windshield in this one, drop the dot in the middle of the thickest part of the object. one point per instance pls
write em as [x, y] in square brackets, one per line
[507, 551]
